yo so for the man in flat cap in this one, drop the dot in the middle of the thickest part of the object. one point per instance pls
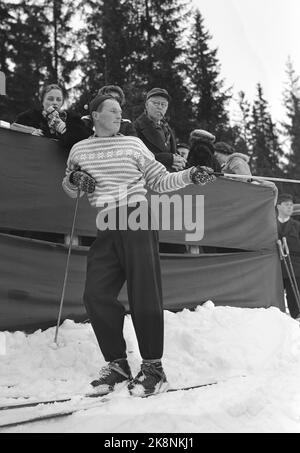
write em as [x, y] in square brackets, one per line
[115, 171]
[153, 129]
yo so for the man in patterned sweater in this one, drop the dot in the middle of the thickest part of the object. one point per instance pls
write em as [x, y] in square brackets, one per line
[114, 171]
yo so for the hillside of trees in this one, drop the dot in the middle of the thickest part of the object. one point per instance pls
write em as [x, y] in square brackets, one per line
[138, 45]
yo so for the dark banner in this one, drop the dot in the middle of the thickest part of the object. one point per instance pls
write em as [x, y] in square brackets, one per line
[232, 214]
[32, 273]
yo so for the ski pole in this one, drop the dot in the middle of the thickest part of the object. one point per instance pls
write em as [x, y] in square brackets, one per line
[283, 258]
[256, 178]
[287, 254]
[67, 266]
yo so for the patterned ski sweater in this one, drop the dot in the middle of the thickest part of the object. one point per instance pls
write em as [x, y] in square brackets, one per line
[122, 167]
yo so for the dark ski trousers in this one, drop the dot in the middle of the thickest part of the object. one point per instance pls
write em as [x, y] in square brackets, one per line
[116, 256]
[290, 297]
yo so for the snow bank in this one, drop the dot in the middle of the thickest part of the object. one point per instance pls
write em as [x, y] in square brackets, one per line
[211, 343]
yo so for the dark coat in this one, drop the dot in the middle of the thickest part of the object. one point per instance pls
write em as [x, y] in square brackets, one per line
[203, 154]
[76, 130]
[291, 230]
[154, 142]
[127, 128]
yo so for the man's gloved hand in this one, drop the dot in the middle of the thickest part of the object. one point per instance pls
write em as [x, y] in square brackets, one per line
[202, 175]
[83, 181]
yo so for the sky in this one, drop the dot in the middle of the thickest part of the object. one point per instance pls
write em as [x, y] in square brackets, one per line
[254, 39]
[254, 354]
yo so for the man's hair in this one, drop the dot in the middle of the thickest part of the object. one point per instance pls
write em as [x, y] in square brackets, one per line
[98, 102]
[285, 197]
[107, 89]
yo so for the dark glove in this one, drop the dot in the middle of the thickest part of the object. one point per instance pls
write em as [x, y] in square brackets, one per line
[83, 181]
[202, 175]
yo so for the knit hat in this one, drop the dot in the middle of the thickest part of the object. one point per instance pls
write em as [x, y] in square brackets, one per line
[94, 104]
[202, 135]
[224, 148]
[158, 92]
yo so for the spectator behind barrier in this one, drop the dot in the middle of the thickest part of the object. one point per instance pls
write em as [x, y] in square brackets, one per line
[238, 163]
[202, 151]
[290, 229]
[49, 120]
[154, 130]
[231, 162]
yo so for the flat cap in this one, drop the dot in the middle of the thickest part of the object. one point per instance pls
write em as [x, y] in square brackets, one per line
[158, 92]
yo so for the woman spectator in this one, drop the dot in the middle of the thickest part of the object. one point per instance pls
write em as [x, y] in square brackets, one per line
[49, 120]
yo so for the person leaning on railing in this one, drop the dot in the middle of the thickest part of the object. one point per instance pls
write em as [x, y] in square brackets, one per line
[238, 163]
[50, 120]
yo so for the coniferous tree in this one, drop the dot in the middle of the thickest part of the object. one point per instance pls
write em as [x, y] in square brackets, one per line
[266, 150]
[155, 57]
[165, 27]
[209, 95]
[242, 125]
[6, 35]
[146, 54]
[6, 50]
[62, 42]
[292, 125]
[24, 55]
[106, 41]
[34, 51]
